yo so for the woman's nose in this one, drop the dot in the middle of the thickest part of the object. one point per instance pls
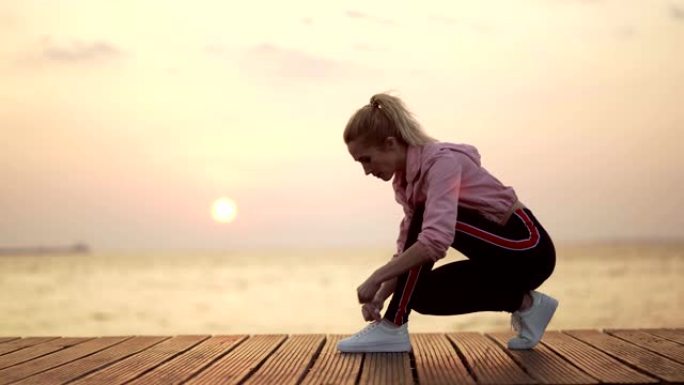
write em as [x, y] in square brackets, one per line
[366, 169]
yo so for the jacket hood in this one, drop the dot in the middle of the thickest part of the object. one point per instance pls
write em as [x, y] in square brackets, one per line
[465, 149]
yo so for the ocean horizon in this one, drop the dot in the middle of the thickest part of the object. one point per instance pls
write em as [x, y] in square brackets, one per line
[606, 284]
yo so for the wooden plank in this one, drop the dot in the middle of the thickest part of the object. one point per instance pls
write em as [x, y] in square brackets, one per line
[241, 362]
[676, 335]
[186, 365]
[21, 343]
[386, 368]
[662, 346]
[290, 362]
[617, 356]
[41, 364]
[6, 339]
[487, 362]
[138, 364]
[38, 350]
[333, 367]
[75, 369]
[437, 362]
[593, 361]
[542, 364]
[641, 358]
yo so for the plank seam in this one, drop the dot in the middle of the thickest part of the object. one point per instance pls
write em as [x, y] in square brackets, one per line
[640, 346]
[117, 361]
[357, 381]
[312, 360]
[263, 361]
[166, 360]
[463, 359]
[592, 348]
[45, 354]
[617, 357]
[111, 363]
[413, 367]
[652, 333]
[28, 346]
[68, 362]
[200, 370]
[511, 356]
[552, 350]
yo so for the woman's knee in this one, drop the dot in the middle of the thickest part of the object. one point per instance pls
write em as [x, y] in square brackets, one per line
[420, 301]
[422, 308]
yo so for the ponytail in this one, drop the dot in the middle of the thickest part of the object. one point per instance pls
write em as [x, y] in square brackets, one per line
[383, 117]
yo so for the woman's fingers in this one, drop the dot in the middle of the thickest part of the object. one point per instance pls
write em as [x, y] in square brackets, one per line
[376, 314]
[365, 313]
[366, 292]
[362, 293]
[370, 312]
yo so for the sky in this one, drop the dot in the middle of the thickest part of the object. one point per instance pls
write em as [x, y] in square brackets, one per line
[122, 122]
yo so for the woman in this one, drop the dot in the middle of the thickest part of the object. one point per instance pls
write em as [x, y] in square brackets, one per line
[448, 200]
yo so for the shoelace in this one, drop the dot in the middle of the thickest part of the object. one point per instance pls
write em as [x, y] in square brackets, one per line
[366, 329]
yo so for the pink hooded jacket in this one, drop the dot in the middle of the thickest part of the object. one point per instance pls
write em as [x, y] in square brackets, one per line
[444, 176]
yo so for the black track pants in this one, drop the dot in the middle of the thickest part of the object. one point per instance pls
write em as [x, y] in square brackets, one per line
[504, 262]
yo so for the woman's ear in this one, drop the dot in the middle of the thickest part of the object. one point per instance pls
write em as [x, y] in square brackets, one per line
[391, 143]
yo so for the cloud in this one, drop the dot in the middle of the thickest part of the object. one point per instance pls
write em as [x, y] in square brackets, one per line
[374, 19]
[444, 20]
[288, 63]
[215, 49]
[7, 20]
[625, 32]
[270, 62]
[478, 27]
[363, 47]
[79, 51]
[579, 1]
[677, 12]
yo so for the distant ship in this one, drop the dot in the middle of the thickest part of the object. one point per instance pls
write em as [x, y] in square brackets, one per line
[76, 248]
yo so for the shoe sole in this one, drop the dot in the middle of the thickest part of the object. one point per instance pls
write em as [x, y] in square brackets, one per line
[385, 348]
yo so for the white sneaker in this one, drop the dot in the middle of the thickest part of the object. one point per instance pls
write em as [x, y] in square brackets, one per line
[531, 323]
[381, 336]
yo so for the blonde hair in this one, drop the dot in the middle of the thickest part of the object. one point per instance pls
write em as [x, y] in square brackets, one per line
[383, 117]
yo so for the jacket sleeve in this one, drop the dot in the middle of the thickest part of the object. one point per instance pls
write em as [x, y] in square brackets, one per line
[442, 187]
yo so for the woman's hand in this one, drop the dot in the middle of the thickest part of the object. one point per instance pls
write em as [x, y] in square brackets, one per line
[366, 292]
[371, 311]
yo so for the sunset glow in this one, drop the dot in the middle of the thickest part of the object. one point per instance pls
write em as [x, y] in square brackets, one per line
[123, 121]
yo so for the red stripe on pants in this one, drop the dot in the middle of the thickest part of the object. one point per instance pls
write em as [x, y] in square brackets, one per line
[406, 294]
[503, 242]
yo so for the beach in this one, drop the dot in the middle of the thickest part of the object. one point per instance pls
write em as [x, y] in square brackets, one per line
[607, 285]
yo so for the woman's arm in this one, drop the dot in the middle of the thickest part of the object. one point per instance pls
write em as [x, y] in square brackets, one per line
[385, 291]
[442, 185]
[370, 289]
[413, 256]
[371, 310]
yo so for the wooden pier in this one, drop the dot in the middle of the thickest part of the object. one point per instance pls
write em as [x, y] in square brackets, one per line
[644, 356]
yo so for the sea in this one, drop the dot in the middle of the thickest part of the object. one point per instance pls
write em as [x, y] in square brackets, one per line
[295, 291]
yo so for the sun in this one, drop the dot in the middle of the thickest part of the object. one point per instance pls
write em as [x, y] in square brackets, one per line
[224, 210]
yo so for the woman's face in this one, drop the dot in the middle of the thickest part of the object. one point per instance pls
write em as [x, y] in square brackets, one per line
[381, 161]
